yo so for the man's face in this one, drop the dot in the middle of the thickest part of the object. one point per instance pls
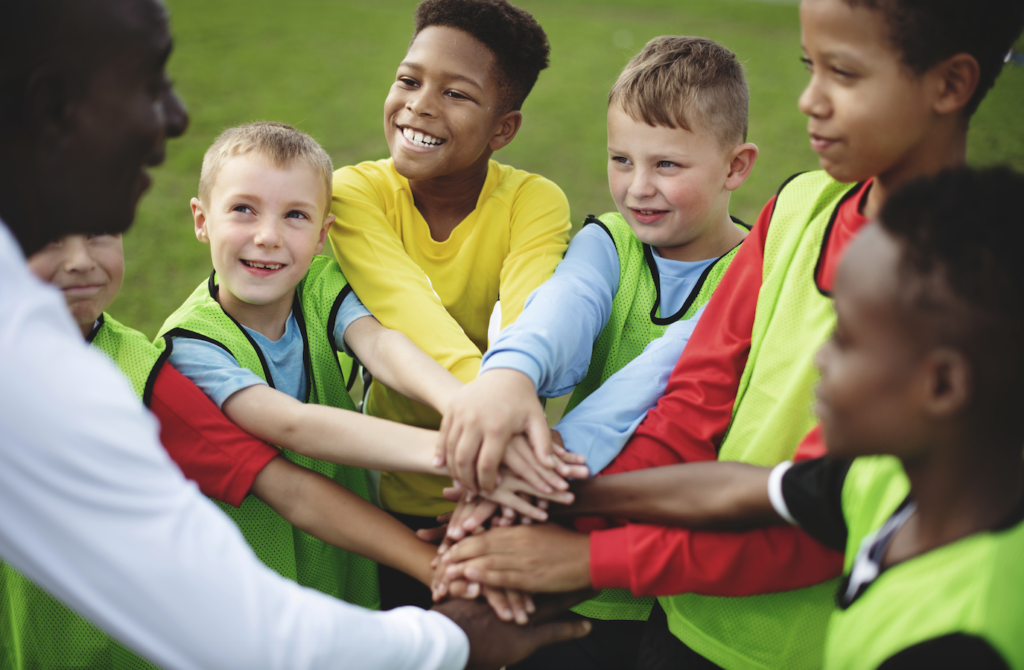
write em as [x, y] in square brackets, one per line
[118, 127]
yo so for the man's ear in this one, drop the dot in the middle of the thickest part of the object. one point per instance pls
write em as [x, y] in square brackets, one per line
[948, 383]
[48, 109]
[743, 158]
[199, 216]
[507, 127]
[956, 79]
[328, 222]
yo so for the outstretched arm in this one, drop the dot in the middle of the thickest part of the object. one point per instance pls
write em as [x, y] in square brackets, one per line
[331, 434]
[323, 508]
[395, 361]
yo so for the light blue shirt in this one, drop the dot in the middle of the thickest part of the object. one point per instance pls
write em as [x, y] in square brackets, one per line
[552, 341]
[219, 375]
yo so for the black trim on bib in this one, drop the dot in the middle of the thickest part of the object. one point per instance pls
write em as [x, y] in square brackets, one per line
[694, 292]
[96, 330]
[593, 219]
[214, 290]
[828, 233]
[147, 393]
[331, 318]
[307, 362]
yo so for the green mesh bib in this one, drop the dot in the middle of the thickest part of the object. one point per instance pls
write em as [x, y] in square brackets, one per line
[36, 630]
[772, 413]
[281, 546]
[972, 586]
[635, 322]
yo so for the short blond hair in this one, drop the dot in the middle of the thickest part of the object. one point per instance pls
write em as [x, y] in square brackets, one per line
[682, 81]
[281, 144]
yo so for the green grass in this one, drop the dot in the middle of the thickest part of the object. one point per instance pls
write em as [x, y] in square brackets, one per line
[326, 68]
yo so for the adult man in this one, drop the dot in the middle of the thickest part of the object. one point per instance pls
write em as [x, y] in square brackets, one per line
[94, 510]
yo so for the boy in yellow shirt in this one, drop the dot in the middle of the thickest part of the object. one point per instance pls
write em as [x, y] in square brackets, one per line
[431, 237]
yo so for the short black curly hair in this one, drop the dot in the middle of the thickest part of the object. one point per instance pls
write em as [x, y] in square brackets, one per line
[961, 235]
[927, 32]
[519, 44]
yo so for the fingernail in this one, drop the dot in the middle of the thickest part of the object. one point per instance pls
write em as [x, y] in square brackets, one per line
[438, 462]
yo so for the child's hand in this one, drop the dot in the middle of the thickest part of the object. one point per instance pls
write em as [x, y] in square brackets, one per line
[482, 418]
[472, 510]
[521, 460]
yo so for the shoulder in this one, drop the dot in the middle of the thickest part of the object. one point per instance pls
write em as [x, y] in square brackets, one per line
[518, 187]
[366, 177]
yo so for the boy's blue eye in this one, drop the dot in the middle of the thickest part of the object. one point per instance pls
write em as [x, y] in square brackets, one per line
[807, 63]
[667, 164]
[295, 214]
[245, 209]
[621, 159]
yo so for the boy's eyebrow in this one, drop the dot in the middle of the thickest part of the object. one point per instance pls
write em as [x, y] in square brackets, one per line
[444, 75]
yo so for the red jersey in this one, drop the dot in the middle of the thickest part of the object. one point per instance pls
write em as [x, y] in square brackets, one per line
[689, 423]
[210, 450]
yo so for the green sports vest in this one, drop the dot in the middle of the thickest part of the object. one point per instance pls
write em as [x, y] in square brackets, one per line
[634, 323]
[974, 585]
[37, 631]
[772, 413]
[281, 546]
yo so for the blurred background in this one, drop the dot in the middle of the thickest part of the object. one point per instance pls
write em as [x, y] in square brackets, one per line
[325, 66]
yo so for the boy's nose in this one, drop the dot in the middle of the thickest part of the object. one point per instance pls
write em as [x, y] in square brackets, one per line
[76, 254]
[420, 104]
[641, 186]
[266, 234]
[812, 102]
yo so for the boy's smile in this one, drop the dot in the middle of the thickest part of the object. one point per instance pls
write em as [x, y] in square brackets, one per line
[264, 224]
[869, 115]
[88, 269]
[870, 368]
[670, 186]
[441, 112]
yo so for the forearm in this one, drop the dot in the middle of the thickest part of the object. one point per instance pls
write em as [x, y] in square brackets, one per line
[721, 495]
[402, 366]
[321, 507]
[332, 434]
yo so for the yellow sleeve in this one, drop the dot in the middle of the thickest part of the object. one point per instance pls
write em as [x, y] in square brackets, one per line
[539, 238]
[388, 282]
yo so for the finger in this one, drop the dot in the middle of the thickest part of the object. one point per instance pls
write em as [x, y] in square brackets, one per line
[531, 608]
[560, 631]
[465, 458]
[440, 451]
[525, 452]
[453, 432]
[515, 603]
[463, 589]
[511, 501]
[431, 535]
[523, 468]
[551, 605]
[498, 601]
[454, 492]
[538, 433]
[518, 485]
[488, 460]
[484, 511]
[573, 471]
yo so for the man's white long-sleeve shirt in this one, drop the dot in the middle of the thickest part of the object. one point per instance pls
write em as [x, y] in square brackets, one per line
[93, 510]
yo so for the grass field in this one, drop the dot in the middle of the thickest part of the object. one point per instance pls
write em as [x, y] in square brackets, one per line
[325, 66]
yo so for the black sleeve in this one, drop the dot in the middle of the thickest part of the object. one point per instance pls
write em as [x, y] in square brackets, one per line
[813, 493]
[956, 650]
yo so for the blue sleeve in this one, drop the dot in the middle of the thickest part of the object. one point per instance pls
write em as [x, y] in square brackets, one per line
[351, 310]
[600, 426]
[552, 340]
[211, 368]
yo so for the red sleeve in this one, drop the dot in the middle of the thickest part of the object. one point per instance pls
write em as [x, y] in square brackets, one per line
[655, 560]
[690, 419]
[210, 450]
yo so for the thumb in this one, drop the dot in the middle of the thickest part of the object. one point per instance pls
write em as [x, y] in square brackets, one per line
[538, 434]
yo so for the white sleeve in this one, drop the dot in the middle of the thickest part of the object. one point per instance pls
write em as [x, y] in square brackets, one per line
[96, 513]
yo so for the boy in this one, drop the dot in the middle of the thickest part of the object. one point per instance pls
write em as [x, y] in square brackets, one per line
[264, 333]
[225, 462]
[431, 236]
[923, 484]
[677, 125]
[893, 85]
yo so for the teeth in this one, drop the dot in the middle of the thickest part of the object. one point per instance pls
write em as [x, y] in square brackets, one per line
[264, 266]
[421, 139]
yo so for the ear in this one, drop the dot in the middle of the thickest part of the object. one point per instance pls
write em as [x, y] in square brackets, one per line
[507, 127]
[200, 218]
[743, 157]
[48, 110]
[328, 222]
[948, 383]
[956, 79]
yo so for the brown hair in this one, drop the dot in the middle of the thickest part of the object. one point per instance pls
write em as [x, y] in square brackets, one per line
[281, 144]
[683, 81]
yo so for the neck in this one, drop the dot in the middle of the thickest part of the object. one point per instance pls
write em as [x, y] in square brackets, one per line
[446, 200]
[945, 148]
[267, 320]
[963, 491]
[716, 242]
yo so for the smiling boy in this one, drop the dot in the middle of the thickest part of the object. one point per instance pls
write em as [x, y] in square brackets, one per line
[910, 73]
[632, 281]
[430, 237]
